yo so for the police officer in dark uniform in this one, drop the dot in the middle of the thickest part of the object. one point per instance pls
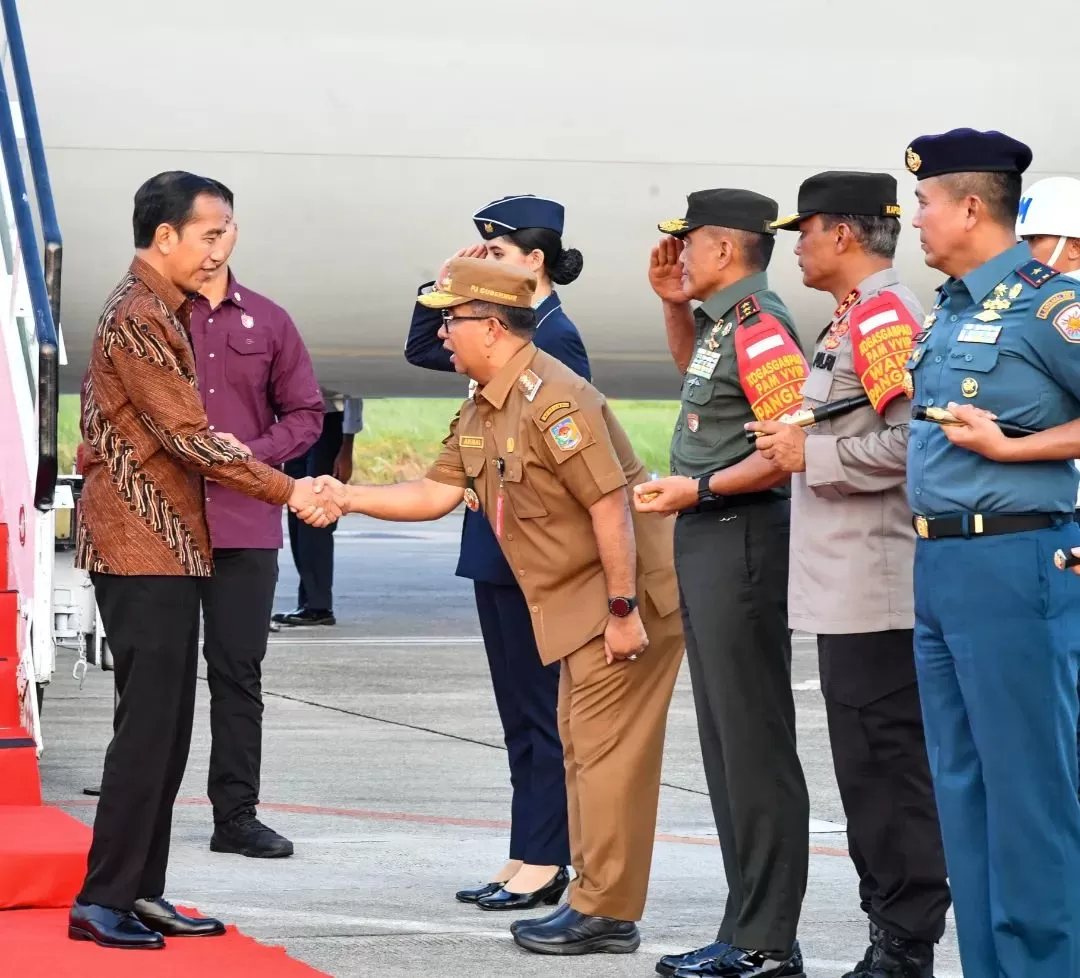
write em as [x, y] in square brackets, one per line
[524, 230]
[996, 647]
[742, 363]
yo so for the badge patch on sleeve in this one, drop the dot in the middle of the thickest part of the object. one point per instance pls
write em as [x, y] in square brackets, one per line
[554, 409]
[882, 337]
[1053, 302]
[1067, 322]
[566, 434]
[771, 368]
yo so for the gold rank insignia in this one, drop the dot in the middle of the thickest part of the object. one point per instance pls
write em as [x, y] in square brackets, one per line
[489, 228]
[988, 315]
[674, 227]
[1014, 292]
[529, 384]
[913, 160]
[909, 384]
[969, 387]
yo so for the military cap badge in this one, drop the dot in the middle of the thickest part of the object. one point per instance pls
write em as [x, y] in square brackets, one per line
[675, 226]
[913, 160]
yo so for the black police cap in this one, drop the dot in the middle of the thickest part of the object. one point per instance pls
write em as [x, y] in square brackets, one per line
[966, 151]
[743, 210]
[843, 192]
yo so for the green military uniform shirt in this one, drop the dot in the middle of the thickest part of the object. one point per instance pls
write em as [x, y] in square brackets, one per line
[709, 434]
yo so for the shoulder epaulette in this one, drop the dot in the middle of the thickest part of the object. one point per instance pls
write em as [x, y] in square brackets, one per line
[747, 308]
[1036, 273]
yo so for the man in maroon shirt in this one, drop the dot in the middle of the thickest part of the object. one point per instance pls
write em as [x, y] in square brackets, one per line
[260, 392]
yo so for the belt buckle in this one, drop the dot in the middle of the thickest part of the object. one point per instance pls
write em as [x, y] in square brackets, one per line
[922, 527]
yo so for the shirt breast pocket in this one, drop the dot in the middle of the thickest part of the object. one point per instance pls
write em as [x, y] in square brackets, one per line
[698, 391]
[818, 385]
[524, 500]
[247, 360]
[979, 358]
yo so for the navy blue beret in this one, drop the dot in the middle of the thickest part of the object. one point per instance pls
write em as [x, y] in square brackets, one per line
[966, 151]
[521, 211]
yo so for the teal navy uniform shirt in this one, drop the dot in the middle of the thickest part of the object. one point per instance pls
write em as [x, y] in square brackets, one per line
[709, 434]
[1006, 338]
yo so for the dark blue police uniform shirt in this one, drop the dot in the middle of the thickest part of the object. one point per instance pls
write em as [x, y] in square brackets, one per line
[481, 559]
[1027, 372]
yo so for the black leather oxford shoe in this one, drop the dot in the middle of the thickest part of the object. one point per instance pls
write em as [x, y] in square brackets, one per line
[478, 892]
[550, 894]
[738, 963]
[163, 917]
[670, 963]
[111, 928]
[577, 933]
[562, 911]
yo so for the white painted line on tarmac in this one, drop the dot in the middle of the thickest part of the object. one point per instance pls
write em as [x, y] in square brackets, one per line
[394, 927]
[379, 640]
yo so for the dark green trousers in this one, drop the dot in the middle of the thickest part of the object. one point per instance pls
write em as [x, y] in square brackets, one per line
[733, 573]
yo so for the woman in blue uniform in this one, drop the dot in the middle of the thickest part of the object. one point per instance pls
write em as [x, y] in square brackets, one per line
[524, 230]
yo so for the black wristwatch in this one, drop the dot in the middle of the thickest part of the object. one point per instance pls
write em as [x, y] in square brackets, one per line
[620, 607]
[704, 493]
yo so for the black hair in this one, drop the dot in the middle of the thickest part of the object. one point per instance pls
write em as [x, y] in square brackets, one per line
[169, 198]
[520, 321]
[877, 236]
[562, 265]
[1000, 192]
[756, 249]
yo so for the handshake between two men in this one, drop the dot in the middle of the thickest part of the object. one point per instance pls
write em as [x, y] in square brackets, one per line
[319, 501]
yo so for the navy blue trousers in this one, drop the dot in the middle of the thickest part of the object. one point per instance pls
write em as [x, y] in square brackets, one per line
[526, 694]
[997, 648]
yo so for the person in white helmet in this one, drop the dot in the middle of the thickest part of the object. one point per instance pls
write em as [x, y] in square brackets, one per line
[1049, 221]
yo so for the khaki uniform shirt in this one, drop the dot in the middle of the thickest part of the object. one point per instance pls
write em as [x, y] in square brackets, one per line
[709, 434]
[560, 450]
[852, 543]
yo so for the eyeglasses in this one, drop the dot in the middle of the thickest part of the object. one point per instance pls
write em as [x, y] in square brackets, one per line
[448, 320]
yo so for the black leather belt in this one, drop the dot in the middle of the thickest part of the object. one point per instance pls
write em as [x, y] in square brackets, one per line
[978, 525]
[729, 502]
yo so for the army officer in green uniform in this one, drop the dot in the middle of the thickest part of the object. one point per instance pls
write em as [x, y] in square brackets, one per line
[741, 362]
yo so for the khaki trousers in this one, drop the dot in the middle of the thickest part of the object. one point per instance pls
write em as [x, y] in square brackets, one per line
[612, 721]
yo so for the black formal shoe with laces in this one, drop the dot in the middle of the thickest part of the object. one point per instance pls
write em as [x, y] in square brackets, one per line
[740, 963]
[307, 616]
[245, 835]
[550, 893]
[478, 892]
[160, 915]
[863, 967]
[112, 928]
[559, 913]
[670, 963]
[578, 933]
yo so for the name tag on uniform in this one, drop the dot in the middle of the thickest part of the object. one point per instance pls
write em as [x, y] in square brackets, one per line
[704, 363]
[978, 333]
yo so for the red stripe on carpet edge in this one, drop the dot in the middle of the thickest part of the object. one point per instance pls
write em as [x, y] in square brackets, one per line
[415, 818]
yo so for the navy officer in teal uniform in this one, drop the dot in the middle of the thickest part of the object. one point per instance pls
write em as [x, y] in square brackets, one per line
[525, 230]
[997, 629]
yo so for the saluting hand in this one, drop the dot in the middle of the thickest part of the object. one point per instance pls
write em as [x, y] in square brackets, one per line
[472, 251]
[782, 444]
[978, 433]
[624, 637]
[670, 495]
[666, 271]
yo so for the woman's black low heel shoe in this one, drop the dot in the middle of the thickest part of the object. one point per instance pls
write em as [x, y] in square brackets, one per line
[549, 894]
[479, 893]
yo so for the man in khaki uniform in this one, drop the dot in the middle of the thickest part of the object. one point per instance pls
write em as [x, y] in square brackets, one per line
[852, 551]
[537, 449]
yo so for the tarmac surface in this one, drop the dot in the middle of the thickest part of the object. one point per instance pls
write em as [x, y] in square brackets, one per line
[383, 762]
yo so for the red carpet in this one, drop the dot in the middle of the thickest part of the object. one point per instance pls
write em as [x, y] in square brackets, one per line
[42, 857]
[35, 942]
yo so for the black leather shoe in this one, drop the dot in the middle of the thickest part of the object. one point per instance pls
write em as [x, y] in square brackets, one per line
[245, 835]
[160, 915]
[562, 911]
[280, 616]
[739, 963]
[578, 933]
[309, 616]
[111, 928]
[863, 967]
[670, 963]
[897, 958]
[549, 894]
[478, 893]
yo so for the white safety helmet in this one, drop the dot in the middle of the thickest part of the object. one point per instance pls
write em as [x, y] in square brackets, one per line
[1051, 207]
